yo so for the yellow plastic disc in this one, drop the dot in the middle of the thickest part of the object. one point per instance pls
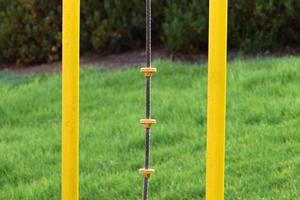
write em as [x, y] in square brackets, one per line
[148, 71]
[146, 172]
[148, 122]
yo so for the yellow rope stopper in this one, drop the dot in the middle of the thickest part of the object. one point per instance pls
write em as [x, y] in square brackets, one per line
[146, 172]
[148, 122]
[148, 71]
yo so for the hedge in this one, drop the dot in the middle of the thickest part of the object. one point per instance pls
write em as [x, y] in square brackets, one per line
[30, 30]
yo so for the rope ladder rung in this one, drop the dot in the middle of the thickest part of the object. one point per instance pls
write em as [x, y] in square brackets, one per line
[148, 71]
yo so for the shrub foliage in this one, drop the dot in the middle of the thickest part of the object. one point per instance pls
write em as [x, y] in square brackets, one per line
[30, 30]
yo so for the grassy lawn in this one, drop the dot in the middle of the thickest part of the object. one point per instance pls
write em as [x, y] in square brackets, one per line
[263, 133]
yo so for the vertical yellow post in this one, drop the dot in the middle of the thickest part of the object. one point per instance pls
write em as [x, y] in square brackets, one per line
[215, 155]
[70, 100]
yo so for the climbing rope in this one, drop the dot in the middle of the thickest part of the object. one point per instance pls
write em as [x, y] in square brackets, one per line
[148, 71]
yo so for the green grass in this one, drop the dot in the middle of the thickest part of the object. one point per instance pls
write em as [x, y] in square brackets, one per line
[262, 147]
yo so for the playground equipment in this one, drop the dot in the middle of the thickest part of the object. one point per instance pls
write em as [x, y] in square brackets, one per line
[148, 122]
[70, 100]
[215, 149]
[216, 100]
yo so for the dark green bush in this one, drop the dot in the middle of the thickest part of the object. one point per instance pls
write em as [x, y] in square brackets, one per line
[185, 26]
[264, 25]
[254, 25]
[30, 30]
[114, 25]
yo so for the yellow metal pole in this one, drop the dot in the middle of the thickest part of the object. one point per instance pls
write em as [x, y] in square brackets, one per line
[70, 100]
[215, 153]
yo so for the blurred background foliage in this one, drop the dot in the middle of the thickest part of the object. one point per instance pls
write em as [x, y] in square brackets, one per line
[30, 30]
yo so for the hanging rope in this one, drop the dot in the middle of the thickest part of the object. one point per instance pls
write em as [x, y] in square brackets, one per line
[148, 122]
[148, 32]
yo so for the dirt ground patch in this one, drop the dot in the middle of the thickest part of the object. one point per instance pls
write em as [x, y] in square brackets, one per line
[137, 59]
[112, 61]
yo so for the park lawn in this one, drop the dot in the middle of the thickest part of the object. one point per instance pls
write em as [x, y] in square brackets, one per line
[262, 147]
